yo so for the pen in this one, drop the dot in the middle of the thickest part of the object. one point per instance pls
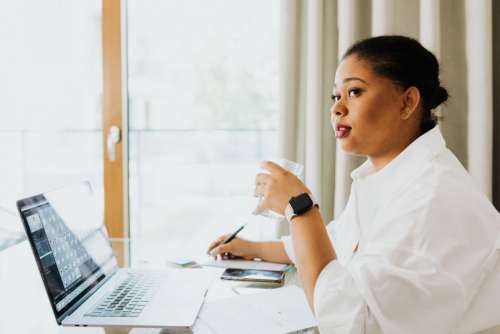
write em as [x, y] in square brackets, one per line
[233, 235]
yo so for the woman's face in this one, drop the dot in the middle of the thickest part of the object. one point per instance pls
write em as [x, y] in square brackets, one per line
[366, 111]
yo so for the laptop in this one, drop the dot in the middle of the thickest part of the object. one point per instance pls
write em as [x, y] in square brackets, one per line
[79, 269]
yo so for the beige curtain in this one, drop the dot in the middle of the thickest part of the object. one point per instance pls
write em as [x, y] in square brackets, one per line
[315, 33]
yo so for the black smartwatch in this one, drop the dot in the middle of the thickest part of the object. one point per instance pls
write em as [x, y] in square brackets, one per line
[299, 205]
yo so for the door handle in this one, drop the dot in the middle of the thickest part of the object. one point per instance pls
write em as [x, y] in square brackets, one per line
[114, 137]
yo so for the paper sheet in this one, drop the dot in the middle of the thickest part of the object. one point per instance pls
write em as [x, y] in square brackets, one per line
[245, 290]
[247, 264]
[275, 311]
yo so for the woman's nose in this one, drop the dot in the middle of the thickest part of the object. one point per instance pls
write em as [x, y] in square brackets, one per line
[338, 109]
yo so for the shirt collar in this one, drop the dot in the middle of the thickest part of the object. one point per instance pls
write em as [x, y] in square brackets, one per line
[404, 167]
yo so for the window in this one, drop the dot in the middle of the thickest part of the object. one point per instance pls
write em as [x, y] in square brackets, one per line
[202, 92]
[50, 105]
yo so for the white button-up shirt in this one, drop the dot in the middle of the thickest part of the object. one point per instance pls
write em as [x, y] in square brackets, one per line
[427, 239]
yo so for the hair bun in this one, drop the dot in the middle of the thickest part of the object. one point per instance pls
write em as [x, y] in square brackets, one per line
[439, 96]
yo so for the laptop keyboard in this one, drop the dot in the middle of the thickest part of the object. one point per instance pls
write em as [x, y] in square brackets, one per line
[129, 298]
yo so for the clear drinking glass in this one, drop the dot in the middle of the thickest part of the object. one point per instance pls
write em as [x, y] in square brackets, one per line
[291, 166]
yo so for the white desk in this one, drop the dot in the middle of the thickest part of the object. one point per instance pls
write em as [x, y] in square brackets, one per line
[24, 304]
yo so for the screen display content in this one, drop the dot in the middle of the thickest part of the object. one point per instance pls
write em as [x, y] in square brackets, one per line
[70, 245]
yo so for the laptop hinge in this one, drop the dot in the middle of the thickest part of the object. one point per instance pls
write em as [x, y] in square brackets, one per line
[82, 300]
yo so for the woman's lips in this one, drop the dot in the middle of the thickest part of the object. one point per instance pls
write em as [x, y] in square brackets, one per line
[342, 131]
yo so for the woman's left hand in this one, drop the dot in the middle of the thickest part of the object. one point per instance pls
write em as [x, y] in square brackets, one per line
[276, 188]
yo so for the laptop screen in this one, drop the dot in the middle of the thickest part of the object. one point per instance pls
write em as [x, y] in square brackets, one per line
[69, 241]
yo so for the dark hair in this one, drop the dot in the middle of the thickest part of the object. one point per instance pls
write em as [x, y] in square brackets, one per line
[406, 62]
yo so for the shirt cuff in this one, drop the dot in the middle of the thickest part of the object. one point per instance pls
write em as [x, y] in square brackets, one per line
[288, 245]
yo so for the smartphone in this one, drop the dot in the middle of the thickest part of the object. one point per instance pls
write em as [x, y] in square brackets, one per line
[254, 275]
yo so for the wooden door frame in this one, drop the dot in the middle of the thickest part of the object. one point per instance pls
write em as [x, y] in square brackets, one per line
[116, 206]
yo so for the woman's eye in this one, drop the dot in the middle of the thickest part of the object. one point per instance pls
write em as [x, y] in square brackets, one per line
[353, 92]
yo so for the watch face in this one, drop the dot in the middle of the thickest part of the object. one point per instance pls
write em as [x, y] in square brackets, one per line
[301, 203]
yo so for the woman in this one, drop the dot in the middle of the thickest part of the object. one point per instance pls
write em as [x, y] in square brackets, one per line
[416, 239]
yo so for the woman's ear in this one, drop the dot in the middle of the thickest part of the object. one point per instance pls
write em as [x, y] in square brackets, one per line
[411, 102]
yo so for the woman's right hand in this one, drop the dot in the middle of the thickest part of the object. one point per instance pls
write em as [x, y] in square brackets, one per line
[235, 248]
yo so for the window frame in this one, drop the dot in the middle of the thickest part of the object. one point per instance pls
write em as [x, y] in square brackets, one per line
[116, 209]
